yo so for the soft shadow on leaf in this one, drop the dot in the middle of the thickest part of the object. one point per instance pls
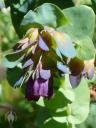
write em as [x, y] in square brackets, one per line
[64, 44]
[85, 49]
[13, 75]
[82, 22]
[10, 64]
[80, 107]
[45, 15]
[51, 122]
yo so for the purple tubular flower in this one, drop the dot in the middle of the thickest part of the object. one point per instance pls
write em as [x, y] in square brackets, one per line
[30, 91]
[39, 87]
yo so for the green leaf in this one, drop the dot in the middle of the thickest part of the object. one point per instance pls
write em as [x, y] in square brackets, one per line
[94, 5]
[14, 56]
[40, 102]
[42, 115]
[18, 9]
[85, 49]
[61, 3]
[67, 89]
[13, 75]
[2, 4]
[82, 22]
[45, 15]
[64, 44]
[10, 64]
[80, 107]
[60, 97]
[52, 123]
[80, 2]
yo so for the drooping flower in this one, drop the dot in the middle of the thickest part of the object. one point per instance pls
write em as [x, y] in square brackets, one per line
[40, 86]
[87, 71]
[37, 74]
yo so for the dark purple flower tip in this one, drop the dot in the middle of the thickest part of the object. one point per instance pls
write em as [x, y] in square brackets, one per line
[75, 80]
[30, 91]
[42, 44]
[50, 88]
[37, 88]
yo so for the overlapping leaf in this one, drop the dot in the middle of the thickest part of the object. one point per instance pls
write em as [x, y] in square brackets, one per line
[82, 22]
[80, 107]
[45, 15]
[14, 58]
[13, 75]
[64, 44]
[85, 49]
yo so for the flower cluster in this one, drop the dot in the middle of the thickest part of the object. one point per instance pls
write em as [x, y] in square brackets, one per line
[43, 55]
[38, 69]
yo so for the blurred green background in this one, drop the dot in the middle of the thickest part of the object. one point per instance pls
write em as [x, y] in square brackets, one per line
[13, 99]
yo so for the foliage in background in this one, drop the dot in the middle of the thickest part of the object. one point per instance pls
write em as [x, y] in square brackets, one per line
[34, 115]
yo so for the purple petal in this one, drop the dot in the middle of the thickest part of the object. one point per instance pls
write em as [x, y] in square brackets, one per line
[45, 74]
[41, 87]
[75, 80]
[63, 68]
[18, 82]
[84, 72]
[28, 63]
[43, 91]
[30, 91]
[36, 87]
[42, 44]
[91, 73]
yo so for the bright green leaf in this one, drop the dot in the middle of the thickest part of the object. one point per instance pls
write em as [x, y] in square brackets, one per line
[85, 49]
[45, 15]
[82, 22]
[80, 107]
[13, 75]
[64, 44]
[10, 64]
[52, 123]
